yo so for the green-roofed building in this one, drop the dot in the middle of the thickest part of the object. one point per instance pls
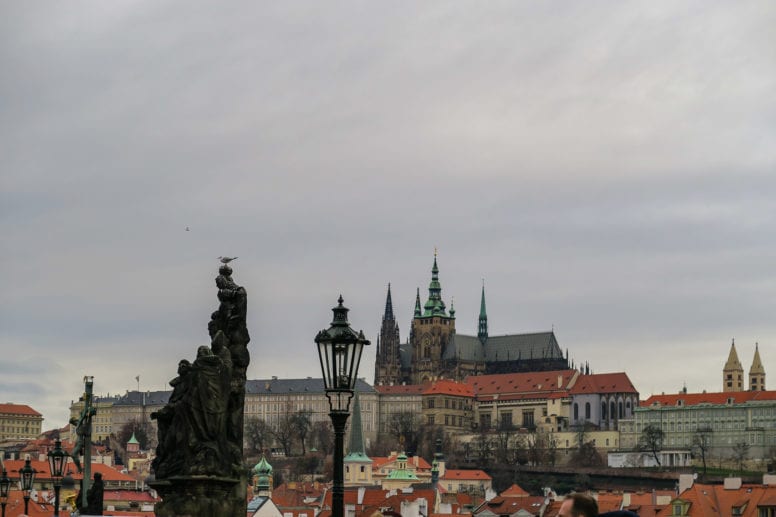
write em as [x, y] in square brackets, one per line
[358, 466]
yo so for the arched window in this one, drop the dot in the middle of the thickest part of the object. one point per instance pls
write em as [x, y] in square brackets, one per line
[576, 411]
[603, 410]
[622, 414]
[612, 410]
[587, 410]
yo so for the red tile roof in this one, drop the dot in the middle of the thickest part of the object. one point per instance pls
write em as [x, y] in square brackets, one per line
[417, 461]
[603, 383]
[514, 491]
[511, 505]
[716, 500]
[719, 398]
[451, 474]
[17, 409]
[448, 387]
[514, 386]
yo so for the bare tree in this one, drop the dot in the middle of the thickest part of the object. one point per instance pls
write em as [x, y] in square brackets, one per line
[258, 434]
[740, 453]
[701, 444]
[651, 440]
[300, 426]
[322, 436]
[404, 427]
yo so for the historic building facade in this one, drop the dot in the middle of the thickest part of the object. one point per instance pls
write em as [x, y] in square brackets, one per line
[733, 372]
[435, 351]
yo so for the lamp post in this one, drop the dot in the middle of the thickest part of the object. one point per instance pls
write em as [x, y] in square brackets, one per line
[5, 486]
[57, 459]
[27, 474]
[339, 349]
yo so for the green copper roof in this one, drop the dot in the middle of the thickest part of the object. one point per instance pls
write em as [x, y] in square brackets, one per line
[434, 306]
[263, 467]
[133, 439]
[404, 474]
[356, 449]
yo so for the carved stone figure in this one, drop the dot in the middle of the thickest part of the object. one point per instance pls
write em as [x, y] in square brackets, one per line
[198, 465]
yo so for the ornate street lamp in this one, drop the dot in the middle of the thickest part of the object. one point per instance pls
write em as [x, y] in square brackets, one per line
[57, 459]
[5, 486]
[339, 349]
[27, 474]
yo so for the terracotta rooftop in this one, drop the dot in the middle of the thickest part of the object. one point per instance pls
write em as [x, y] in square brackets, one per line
[514, 491]
[718, 398]
[512, 504]
[716, 500]
[522, 385]
[451, 474]
[10, 408]
[603, 383]
[448, 387]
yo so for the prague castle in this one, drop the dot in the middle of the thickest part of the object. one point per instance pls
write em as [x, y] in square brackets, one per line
[435, 351]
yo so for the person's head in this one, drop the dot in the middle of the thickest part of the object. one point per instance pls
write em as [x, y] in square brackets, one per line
[578, 505]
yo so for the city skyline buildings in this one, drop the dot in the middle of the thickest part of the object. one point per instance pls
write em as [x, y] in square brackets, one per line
[607, 169]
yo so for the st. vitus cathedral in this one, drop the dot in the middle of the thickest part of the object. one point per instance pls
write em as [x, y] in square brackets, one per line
[435, 351]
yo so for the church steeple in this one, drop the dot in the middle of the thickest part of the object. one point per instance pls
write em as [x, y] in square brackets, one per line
[756, 372]
[434, 306]
[358, 464]
[418, 314]
[388, 305]
[733, 372]
[482, 331]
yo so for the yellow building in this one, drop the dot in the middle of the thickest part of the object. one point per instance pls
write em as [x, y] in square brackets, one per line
[19, 422]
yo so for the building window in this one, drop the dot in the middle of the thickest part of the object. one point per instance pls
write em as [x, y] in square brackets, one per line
[576, 411]
[528, 419]
[485, 421]
[587, 410]
[431, 419]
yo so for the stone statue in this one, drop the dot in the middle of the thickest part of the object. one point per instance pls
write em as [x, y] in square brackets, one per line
[198, 464]
[94, 497]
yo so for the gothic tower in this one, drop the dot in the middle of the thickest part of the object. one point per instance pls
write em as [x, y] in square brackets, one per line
[388, 360]
[756, 372]
[733, 372]
[482, 330]
[430, 333]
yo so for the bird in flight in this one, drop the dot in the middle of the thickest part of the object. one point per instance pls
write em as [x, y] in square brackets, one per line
[227, 260]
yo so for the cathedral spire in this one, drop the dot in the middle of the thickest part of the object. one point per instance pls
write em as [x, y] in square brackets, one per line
[434, 306]
[482, 332]
[388, 305]
[417, 304]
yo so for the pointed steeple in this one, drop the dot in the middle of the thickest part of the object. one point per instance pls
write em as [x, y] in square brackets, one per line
[418, 314]
[434, 306]
[733, 372]
[482, 331]
[356, 449]
[756, 372]
[388, 305]
[452, 308]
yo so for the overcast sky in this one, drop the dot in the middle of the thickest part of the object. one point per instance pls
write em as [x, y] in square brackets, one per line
[608, 168]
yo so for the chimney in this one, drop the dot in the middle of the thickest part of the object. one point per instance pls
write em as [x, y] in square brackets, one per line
[732, 483]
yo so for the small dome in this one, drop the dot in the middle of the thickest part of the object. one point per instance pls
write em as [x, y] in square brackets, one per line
[262, 468]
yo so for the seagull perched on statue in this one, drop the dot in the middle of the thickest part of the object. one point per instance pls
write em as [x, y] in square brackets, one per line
[226, 260]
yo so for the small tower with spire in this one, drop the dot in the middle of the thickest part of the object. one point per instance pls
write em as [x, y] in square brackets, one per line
[756, 372]
[482, 329]
[733, 372]
[388, 357]
[358, 466]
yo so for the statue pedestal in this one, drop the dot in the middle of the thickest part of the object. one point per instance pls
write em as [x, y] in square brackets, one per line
[199, 496]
